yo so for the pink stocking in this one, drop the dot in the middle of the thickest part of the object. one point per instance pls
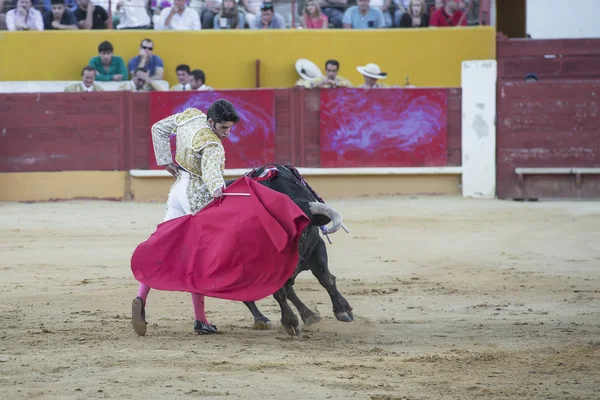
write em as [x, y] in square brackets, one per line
[198, 301]
[143, 292]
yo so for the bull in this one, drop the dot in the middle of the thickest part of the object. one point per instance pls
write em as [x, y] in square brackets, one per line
[312, 251]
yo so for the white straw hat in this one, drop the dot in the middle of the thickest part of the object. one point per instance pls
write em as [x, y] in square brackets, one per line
[372, 70]
[307, 69]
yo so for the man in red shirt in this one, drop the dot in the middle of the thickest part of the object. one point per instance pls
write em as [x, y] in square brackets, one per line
[449, 15]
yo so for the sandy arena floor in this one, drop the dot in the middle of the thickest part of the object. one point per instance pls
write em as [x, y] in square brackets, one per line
[454, 299]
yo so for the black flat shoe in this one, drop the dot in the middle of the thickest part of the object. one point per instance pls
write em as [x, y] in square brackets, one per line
[138, 316]
[202, 328]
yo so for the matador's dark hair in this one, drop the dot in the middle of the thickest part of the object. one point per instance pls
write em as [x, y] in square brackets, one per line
[222, 111]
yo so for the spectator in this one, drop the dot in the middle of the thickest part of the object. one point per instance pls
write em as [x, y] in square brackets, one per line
[133, 14]
[59, 18]
[531, 77]
[90, 16]
[178, 18]
[371, 74]
[449, 15]
[229, 17]
[88, 75]
[312, 17]
[46, 5]
[140, 82]
[416, 17]
[146, 59]
[401, 7]
[183, 76]
[252, 9]
[268, 19]
[24, 18]
[334, 9]
[207, 16]
[108, 66]
[198, 80]
[385, 7]
[363, 16]
[331, 78]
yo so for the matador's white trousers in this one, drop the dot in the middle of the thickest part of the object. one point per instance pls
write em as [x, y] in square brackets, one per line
[178, 203]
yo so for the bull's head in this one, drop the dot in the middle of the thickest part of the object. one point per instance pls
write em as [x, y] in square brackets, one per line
[288, 183]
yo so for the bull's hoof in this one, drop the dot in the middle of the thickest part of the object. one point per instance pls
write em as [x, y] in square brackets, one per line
[293, 331]
[262, 324]
[343, 316]
[350, 314]
[313, 319]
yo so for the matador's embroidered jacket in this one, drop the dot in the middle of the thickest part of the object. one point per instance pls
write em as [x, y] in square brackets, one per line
[199, 151]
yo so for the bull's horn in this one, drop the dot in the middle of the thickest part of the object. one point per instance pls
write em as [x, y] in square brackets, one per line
[327, 210]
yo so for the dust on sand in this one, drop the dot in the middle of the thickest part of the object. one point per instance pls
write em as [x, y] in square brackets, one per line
[454, 299]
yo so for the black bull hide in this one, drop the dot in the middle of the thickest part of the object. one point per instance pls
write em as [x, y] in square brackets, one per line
[312, 255]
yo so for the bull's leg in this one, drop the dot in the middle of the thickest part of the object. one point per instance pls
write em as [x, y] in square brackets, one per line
[288, 318]
[308, 316]
[260, 321]
[318, 264]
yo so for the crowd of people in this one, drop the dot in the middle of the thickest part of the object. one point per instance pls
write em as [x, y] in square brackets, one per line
[38, 15]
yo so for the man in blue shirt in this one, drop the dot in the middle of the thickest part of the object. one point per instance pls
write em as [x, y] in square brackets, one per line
[147, 59]
[268, 18]
[362, 16]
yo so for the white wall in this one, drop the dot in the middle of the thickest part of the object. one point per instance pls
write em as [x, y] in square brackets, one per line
[478, 81]
[563, 19]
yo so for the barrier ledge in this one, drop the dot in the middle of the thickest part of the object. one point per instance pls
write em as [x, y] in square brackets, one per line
[152, 185]
[157, 173]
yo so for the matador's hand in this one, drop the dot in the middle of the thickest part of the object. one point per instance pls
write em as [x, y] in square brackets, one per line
[218, 192]
[172, 169]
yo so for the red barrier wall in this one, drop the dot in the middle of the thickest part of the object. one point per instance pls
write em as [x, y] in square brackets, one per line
[550, 123]
[111, 130]
[549, 59]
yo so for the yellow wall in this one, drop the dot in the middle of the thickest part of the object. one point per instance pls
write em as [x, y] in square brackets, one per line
[63, 185]
[429, 56]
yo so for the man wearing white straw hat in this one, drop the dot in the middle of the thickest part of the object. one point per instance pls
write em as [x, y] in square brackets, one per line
[200, 159]
[372, 73]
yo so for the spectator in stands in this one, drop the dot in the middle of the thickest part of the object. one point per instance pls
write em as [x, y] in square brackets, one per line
[268, 18]
[88, 75]
[330, 80]
[46, 5]
[183, 76]
[252, 9]
[140, 82]
[385, 7]
[198, 80]
[147, 59]
[401, 7]
[108, 66]
[312, 17]
[179, 17]
[59, 18]
[208, 14]
[133, 14]
[449, 15]
[334, 9]
[416, 17]
[363, 16]
[531, 77]
[229, 17]
[371, 74]
[90, 16]
[24, 18]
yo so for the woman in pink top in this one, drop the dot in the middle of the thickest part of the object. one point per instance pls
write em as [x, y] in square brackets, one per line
[313, 18]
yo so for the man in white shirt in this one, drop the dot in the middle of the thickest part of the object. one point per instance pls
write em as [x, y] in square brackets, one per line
[24, 18]
[178, 18]
[132, 14]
